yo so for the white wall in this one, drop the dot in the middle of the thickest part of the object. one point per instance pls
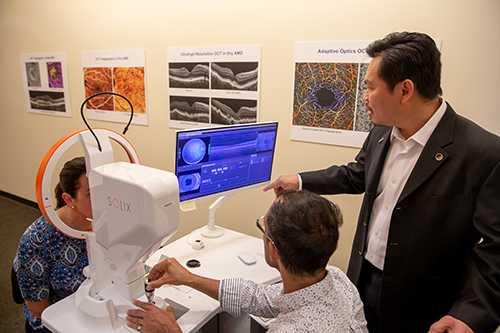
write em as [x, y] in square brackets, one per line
[470, 48]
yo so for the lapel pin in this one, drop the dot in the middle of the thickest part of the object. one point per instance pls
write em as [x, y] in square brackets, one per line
[379, 141]
[438, 157]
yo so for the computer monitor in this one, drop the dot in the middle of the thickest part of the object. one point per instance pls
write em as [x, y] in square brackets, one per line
[219, 161]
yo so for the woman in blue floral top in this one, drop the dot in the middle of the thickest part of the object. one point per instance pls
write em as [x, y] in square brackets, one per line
[49, 264]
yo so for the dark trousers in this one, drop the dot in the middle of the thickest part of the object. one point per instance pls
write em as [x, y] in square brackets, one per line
[369, 284]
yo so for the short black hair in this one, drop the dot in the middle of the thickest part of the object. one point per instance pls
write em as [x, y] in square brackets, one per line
[409, 55]
[305, 230]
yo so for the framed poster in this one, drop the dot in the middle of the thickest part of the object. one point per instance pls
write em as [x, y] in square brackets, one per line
[209, 86]
[120, 72]
[45, 82]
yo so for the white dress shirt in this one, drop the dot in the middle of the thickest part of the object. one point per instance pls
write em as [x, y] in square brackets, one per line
[401, 158]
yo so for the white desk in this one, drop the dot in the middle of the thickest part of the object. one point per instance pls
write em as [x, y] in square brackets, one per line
[218, 260]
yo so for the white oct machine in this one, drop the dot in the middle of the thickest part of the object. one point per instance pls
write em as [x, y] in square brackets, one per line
[135, 210]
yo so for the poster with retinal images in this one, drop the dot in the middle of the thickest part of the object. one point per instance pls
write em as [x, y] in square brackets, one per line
[121, 73]
[213, 86]
[328, 104]
[45, 82]
[329, 85]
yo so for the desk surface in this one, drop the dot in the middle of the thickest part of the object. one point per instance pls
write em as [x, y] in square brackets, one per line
[218, 261]
[219, 256]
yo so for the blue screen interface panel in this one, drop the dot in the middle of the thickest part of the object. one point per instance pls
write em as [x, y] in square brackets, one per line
[219, 159]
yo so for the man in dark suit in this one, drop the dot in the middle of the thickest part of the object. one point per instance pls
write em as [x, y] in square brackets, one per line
[426, 254]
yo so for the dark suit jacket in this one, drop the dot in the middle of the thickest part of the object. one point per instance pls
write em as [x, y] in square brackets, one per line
[436, 262]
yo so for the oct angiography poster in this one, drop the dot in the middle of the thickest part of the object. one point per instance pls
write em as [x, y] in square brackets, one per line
[328, 104]
[45, 81]
[120, 72]
[209, 86]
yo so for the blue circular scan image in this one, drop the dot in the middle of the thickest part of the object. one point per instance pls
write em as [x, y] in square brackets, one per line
[189, 182]
[194, 151]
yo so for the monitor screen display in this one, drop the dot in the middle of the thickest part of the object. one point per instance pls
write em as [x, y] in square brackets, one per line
[214, 160]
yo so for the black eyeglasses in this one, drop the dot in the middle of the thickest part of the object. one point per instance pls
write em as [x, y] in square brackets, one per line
[261, 228]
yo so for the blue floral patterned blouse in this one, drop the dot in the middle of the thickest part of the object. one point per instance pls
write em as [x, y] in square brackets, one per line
[48, 263]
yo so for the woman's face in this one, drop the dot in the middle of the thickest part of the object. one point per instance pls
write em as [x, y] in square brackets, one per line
[82, 197]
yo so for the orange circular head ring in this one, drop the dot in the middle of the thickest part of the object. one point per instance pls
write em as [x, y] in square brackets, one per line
[46, 170]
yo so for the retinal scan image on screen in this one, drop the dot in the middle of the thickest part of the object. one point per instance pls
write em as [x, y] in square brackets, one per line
[220, 159]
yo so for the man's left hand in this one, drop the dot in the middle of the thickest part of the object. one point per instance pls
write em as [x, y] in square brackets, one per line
[152, 319]
[451, 325]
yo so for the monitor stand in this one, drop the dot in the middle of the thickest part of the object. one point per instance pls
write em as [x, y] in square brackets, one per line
[211, 231]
